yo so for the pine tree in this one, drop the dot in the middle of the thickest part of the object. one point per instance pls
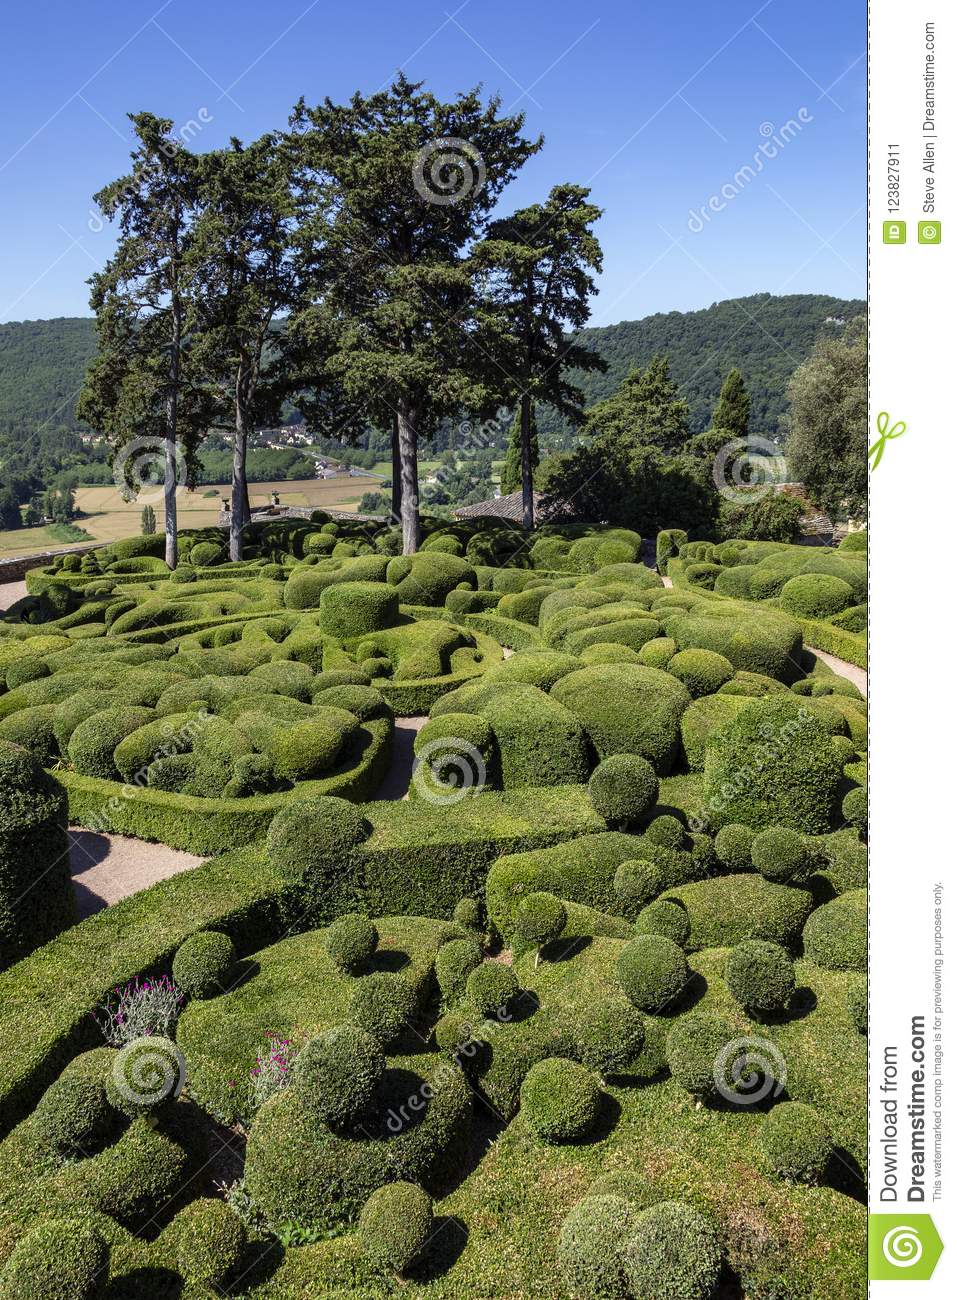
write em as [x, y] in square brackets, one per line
[733, 409]
[646, 411]
[511, 479]
[148, 521]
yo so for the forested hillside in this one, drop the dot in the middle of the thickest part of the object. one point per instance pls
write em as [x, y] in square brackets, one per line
[42, 363]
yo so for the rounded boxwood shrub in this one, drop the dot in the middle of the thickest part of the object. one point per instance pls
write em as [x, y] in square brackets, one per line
[732, 844]
[666, 831]
[835, 935]
[797, 1142]
[627, 709]
[469, 914]
[145, 1075]
[350, 609]
[703, 672]
[652, 970]
[92, 743]
[666, 918]
[454, 963]
[672, 1253]
[658, 652]
[312, 841]
[622, 788]
[210, 1239]
[351, 941]
[541, 917]
[816, 595]
[28, 668]
[204, 554]
[779, 853]
[62, 1259]
[383, 1005]
[854, 809]
[856, 998]
[203, 964]
[609, 1034]
[395, 1225]
[312, 747]
[760, 975]
[33, 847]
[456, 753]
[338, 1074]
[637, 882]
[74, 1117]
[560, 1100]
[590, 1248]
[693, 1049]
[491, 987]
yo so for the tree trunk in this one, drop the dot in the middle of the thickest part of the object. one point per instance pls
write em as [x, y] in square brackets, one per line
[172, 417]
[396, 473]
[409, 477]
[528, 501]
[239, 511]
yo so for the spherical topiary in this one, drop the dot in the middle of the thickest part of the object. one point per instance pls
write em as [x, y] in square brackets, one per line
[589, 1248]
[658, 652]
[541, 917]
[760, 975]
[779, 853]
[672, 1253]
[395, 1225]
[210, 1239]
[383, 1004]
[854, 809]
[560, 1100]
[609, 1034]
[350, 609]
[703, 672]
[468, 913]
[312, 842]
[835, 935]
[857, 1002]
[666, 831]
[652, 970]
[638, 882]
[73, 1117]
[203, 964]
[454, 963]
[350, 941]
[732, 844]
[797, 1142]
[623, 787]
[491, 987]
[145, 1074]
[816, 595]
[338, 1074]
[664, 917]
[91, 746]
[694, 1048]
[62, 1259]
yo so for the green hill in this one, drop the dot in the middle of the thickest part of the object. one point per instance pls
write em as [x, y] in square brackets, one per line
[42, 363]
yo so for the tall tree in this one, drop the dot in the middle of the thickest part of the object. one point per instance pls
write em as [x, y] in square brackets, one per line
[827, 443]
[511, 479]
[540, 262]
[246, 277]
[647, 410]
[408, 183]
[141, 381]
[733, 409]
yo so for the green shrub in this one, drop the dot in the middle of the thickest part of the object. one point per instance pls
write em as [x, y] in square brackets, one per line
[28, 668]
[395, 1225]
[34, 847]
[797, 1142]
[703, 672]
[760, 975]
[772, 764]
[455, 752]
[351, 941]
[658, 652]
[854, 809]
[203, 964]
[490, 988]
[668, 543]
[540, 919]
[857, 1002]
[145, 1075]
[560, 1100]
[338, 1074]
[835, 935]
[608, 1035]
[779, 854]
[73, 1117]
[653, 971]
[622, 788]
[666, 918]
[210, 1240]
[454, 963]
[590, 1247]
[733, 844]
[62, 1259]
[673, 1253]
[383, 1005]
[695, 1050]
[350, 609]
[312, 842]
[32, 729]
[666, 831]
[427, 578]
[816, 595]
[701, 719]
[638, 882]
[627, 709]
[727, 909]
[92, 743]
[469, 914]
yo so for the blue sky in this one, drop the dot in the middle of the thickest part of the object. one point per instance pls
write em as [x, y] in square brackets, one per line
[656, 106]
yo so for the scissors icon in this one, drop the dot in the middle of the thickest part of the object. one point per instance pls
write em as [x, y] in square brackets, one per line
[886, 431]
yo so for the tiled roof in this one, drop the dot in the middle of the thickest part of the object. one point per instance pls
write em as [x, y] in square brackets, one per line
[507, 507]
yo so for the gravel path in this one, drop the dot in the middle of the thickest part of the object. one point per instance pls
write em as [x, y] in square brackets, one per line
[843, 669]
[399, 776]
[11, 592]
[106, 868]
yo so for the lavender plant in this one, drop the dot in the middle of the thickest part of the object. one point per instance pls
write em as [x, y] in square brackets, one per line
[272, 1070]
[140, 1009]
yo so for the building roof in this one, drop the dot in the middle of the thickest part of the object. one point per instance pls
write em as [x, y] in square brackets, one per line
[507, 507]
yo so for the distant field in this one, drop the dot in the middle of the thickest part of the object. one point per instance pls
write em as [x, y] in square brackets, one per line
[108, 516]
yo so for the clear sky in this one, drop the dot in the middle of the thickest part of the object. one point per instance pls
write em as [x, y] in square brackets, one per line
[657, 106]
